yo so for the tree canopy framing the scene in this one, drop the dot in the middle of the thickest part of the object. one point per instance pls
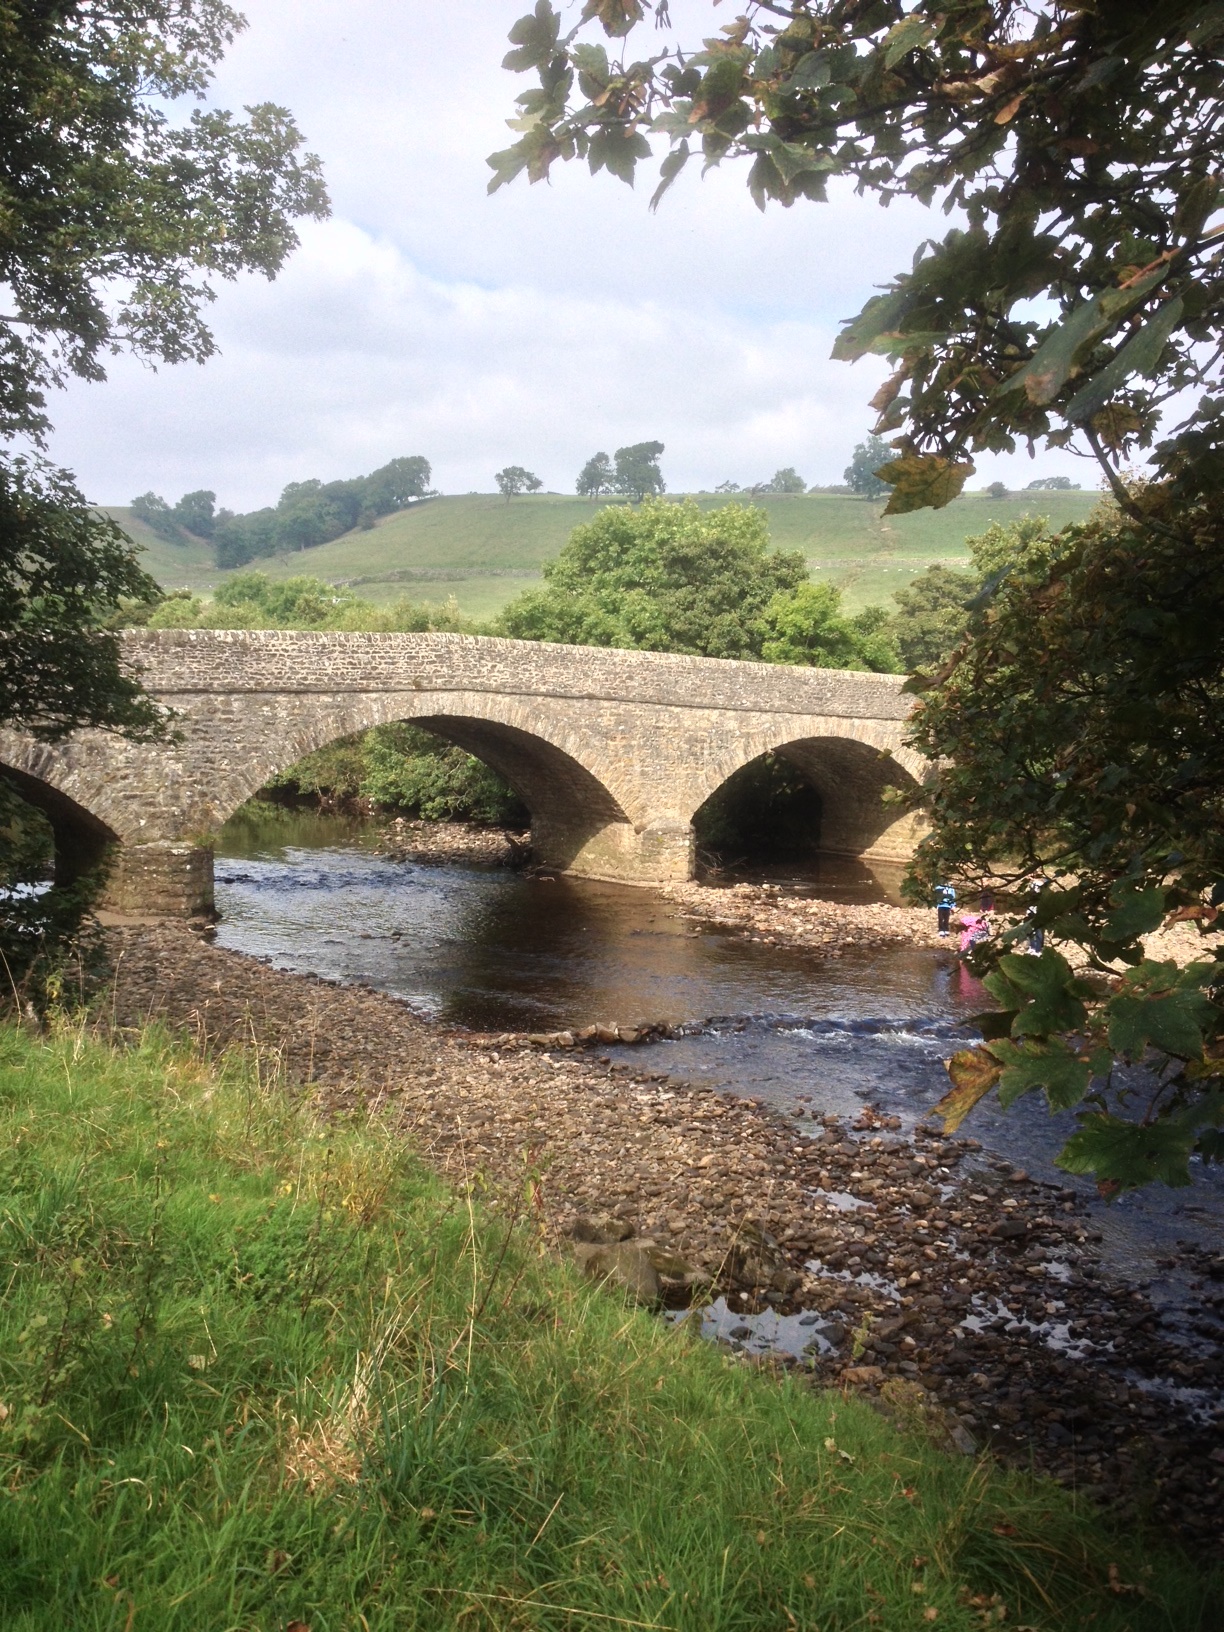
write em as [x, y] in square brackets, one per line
[1076, 145]
[118, 221]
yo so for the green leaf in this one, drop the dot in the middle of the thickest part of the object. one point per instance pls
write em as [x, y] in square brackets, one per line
[993, 1023]
[974, 1073]
[1048, 370]
[1140, 355]
[922, 481]
[811, 72]
[879, 316]
[668, 171]
[1050, 991]
[617, 16]
[1160, 1006]
[1051, 1066]
[910, 34]
[1123, 1155]
[1136, 912]
[536, 38]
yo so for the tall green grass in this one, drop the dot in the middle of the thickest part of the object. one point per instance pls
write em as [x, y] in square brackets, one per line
[257, 1372]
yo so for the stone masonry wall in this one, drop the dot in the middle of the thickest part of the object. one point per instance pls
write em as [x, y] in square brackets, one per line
[612, 751]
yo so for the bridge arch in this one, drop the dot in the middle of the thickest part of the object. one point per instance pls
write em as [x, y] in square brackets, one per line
[82, 838]
[853, 772]
[579, 820]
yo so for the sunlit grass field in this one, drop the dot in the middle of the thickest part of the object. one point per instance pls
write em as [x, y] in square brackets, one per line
[484, 550]
[262, 1373]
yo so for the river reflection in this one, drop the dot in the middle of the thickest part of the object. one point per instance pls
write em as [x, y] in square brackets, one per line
[494, 950]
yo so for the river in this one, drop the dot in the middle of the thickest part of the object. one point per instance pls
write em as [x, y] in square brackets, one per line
[494, 950]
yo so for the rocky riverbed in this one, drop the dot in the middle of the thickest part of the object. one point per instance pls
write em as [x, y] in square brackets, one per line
[784, 916]
[465, 842]
[911, 1267]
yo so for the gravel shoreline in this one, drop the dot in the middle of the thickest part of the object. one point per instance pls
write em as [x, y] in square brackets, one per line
[944, 1283]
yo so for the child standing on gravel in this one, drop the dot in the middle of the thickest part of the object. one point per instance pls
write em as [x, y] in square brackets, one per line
[945, 901]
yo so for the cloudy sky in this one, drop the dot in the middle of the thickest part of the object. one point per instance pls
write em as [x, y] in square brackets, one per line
[533, 327]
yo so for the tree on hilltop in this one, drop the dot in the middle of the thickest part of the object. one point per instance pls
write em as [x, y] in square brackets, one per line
[861, 474]
[514, 479]
[596, 477]
[197, 512]
[637, 470]
[785, 481]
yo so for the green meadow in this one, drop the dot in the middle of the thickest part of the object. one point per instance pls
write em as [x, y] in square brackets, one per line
[484, 550]
[264, 1374]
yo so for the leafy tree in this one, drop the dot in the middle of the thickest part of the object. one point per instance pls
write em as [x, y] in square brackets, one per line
[1081, 294]
[596, 477]
[156, 514]
[860, 474]
[515, 479]
[672, 577]
[785, 481]
[637, 470]
[314, 512]
[407, 769]
[117, 221]
[197, 513]
[252, 600]
[1077, 733]
[62, 566]
[1058, 483]
[807, 627]
[1079, 144]
[933, 615]
[997, 490]
[727, 487]
[120, 216]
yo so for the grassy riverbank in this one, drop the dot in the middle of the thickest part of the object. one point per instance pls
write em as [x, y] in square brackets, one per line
[257, 1373]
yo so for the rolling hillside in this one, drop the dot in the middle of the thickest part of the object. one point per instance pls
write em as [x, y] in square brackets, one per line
[483, 550]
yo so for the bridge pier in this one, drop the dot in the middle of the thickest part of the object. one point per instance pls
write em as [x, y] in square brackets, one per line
[659, 852]
[163, 880]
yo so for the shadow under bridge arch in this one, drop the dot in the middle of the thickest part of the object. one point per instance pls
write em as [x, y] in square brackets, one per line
[82, 840]
[577, 825]
[855, 810]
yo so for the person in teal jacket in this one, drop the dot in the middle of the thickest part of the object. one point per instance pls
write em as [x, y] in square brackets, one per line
[945, 902]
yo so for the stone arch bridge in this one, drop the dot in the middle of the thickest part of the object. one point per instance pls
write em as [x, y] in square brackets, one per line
[613, 752]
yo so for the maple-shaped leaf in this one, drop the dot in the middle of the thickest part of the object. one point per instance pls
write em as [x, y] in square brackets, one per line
[1047, 1065]
[1051, 996]
[922, 481]
[974, 1073]
[1161, 1006]
[1125, 1155]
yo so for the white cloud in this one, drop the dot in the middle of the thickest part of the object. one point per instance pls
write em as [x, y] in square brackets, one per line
[534, 326]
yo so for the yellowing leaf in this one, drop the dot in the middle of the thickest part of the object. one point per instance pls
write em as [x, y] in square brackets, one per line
[974, 1073]
[921, 481]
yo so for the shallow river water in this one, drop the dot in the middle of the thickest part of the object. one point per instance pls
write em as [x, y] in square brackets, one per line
[493, 950]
